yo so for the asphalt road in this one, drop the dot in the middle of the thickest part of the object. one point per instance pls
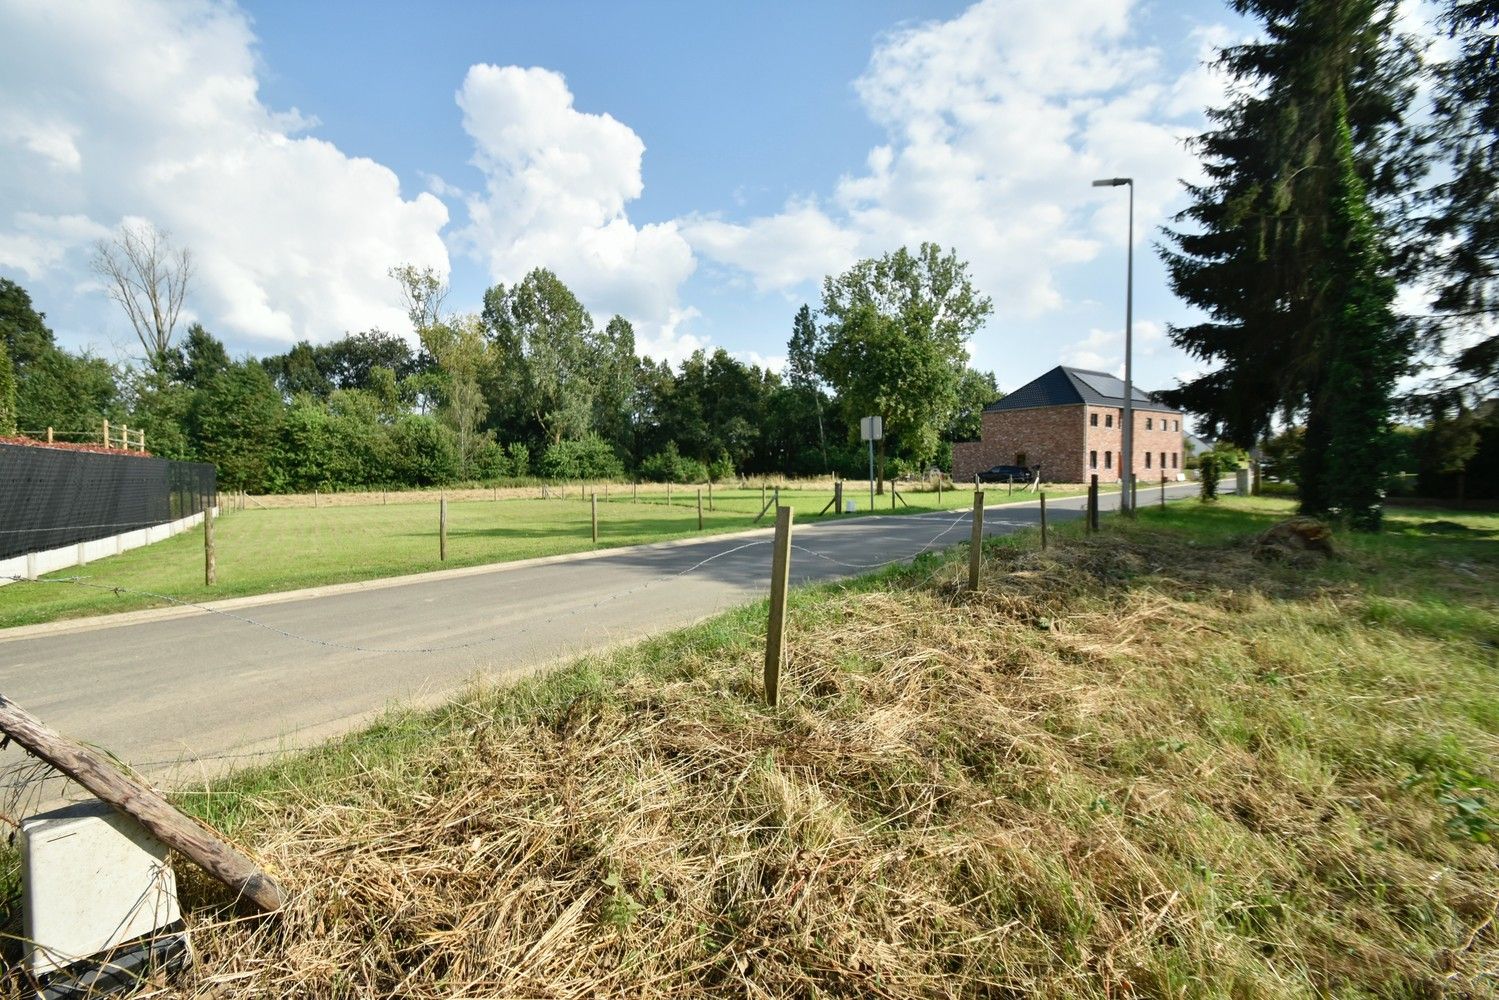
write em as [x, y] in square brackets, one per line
[187, 697]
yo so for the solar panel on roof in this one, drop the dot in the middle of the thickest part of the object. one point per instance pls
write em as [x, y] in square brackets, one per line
[1107, 385]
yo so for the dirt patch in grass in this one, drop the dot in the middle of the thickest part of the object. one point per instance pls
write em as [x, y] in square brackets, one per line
[1132, 766]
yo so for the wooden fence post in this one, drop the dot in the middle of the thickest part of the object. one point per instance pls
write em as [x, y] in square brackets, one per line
[939, 489]
[762, 494]
[106, 434]
[1010, 486]
[699, 508]
[49, 435]
[710, 494]
[1043, 521]
[1093, 503]
[124, 437]
[141, 439]
[210, 559]
[775, 634]
[668, 493]
[838, 497]
[1134, 495]
[142, 804]
[1163, 491]
[442, 529]
[635, 492]
[594, 500]
[976, 542]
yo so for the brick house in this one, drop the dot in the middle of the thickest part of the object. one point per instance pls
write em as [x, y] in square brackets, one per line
[1070, 422]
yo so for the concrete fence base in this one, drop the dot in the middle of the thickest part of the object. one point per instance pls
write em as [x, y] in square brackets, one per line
[34, 564]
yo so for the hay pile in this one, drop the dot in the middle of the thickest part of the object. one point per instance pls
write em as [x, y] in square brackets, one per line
[1077, 782]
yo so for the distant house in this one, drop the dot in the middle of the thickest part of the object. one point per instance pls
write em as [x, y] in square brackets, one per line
[1070, 423]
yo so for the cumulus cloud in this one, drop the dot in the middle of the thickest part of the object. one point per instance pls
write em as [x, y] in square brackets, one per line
[556, 185]
[1103, 350]
[996, 122]
[151, 109]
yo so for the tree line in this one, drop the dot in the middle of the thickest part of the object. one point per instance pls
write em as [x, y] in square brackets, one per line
[529, 387]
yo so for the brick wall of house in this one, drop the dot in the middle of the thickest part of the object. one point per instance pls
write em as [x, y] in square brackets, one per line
[1048, 436]
[1163, 437]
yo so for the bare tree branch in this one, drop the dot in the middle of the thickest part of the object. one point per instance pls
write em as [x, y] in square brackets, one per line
[149, 280]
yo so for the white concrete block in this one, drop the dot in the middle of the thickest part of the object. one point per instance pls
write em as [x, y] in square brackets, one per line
[91, 878]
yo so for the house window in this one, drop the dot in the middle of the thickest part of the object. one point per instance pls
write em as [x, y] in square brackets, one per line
[1147, 460]
[1147, 423]
[1108, 421]
[1173, 459]
[1108, 460]
[1092, 420]
[1092, 459]
[1163, 459]
[1020, 459]
[1178, 425]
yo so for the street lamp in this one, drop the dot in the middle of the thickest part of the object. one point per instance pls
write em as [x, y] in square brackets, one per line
[1127, 459]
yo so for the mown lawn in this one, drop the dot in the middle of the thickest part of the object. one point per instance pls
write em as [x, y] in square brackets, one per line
[1146, 763]
[263, 551]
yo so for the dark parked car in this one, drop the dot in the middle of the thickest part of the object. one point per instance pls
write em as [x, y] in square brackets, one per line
[1007, 474]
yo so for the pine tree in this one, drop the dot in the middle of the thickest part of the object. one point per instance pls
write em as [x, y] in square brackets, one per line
[1464, 226]
[1346, 450]
[1257, 256]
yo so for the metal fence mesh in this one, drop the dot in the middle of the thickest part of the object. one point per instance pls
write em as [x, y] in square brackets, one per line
[51, 497]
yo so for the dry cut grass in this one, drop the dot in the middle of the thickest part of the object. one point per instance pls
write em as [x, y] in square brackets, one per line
[1132, 766]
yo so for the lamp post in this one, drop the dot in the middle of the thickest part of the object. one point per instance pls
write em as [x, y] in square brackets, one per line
[1127, 458]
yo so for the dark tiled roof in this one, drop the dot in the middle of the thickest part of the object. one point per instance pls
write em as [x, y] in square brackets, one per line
[1064, 386]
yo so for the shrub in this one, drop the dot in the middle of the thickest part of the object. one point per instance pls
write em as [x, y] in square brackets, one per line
[1209, 471]
[721, 468]
[669, 466]
[425, 452]
[520, 459]
[588, 457]
[491, 462]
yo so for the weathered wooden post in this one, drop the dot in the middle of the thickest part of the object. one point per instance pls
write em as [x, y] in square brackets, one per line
[1163, 491]
[838, 497]
[49, 435]
[699, 508]
[1010, 486]
[1134, 495]
[976, 542]
[1093, 503]
[939, 489]
[210, 560]
[106, 434]
[635, 492]
[594, 499]
[1043, 521]
[442, 529]
[762, 494]
[124, 437]
[668, 493]
[780, 577]
[710, 494]
[140, 439]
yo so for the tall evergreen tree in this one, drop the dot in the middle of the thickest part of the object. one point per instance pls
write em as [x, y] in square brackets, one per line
[1346, 451]
[1464, 226]
[801, 369]
[1257, 258]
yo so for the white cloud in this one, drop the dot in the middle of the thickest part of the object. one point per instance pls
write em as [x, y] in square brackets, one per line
[151, 109]
[668, 340]
[556, 183]
[1103, 350]
[997, 121]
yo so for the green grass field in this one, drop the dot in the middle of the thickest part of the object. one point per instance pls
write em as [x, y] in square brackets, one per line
[263, 551]
[1144, 763]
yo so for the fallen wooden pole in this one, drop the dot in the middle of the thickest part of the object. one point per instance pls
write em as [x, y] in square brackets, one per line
[145, 806]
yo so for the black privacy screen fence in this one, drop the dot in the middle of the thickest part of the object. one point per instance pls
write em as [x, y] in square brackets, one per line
[51, 497]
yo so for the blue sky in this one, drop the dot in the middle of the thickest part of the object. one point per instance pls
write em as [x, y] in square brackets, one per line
[697, 167]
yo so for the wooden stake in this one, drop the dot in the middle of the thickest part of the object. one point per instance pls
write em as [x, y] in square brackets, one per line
[762, 494]
[49, 435]
[210, 560]
[635, 492]
[442, 529]
[594, 501]
[144, 805]
[1093, 503]
[710, 494]
[106, 434]
[124, 437]
[838, 497]
[699, 508]
[1043, 521]
[939, 489]
[775, 634]
[1163, 491]
[976, 542]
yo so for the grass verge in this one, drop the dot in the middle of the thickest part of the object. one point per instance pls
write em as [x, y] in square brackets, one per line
[1142, 763]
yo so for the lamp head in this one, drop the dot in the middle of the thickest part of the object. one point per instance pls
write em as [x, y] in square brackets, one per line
[1113, 182]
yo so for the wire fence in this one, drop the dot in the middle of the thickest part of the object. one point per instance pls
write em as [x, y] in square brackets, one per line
[28, 782]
